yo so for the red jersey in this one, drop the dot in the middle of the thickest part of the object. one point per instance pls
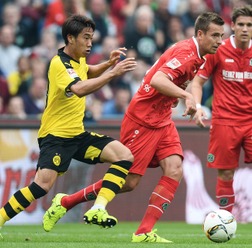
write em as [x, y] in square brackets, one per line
[55, 14]
[231, 70]
[180, 63]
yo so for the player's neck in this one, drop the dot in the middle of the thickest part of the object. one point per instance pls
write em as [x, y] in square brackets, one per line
[71, 52]
[242, 45]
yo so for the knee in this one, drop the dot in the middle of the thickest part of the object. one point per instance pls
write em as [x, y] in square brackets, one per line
[178, 172]
[131, 157]
[226, 175]
[45, 178]
[174, 171]
[127, 155]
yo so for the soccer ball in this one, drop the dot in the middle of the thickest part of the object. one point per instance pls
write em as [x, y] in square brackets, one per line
[220, 226]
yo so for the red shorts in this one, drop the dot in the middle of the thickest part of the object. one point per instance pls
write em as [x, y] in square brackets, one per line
[225, 146]
[149, 145]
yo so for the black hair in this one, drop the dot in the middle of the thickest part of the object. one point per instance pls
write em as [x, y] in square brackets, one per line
[74, 26]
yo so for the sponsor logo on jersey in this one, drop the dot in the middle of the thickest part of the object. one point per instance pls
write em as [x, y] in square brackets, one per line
[72, 73]
[229, 60]
[173, 64]
[237, 76]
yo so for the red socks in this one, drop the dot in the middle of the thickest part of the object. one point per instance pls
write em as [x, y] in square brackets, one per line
[87, 194]
[225, 194]
[160, 199]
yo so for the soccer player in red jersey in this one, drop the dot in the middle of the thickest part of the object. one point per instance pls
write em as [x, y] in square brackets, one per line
[148, 130]
[231, 127]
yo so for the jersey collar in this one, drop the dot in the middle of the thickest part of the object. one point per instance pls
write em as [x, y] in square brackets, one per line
[232, 40]
[62, 53]
[197, 46]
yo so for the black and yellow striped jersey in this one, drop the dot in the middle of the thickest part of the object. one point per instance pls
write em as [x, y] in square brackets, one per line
[64, 111]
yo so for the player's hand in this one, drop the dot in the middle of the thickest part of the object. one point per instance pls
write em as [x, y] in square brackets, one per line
[116, 55]
[190, 106]
[199, 116]
[128, 64]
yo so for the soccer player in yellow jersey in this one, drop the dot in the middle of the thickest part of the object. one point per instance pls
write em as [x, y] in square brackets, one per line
[62, 134]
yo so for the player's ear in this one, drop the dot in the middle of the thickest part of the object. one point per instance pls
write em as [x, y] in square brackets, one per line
[199, 33]
[232, 26]
[70, 38]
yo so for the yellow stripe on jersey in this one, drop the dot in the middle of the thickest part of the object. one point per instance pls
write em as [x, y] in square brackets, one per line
[64, 112]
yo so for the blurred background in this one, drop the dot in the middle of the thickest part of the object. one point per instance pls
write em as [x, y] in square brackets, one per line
[30, 34]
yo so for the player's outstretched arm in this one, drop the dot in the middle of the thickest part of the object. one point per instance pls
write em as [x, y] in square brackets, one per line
[83, 88]
[197, 91]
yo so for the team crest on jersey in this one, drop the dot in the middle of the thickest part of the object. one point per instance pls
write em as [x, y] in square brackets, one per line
[173, 64]
[223, 201]
[72, 73]
[91, 196]
[210, 157]
[57, 159]
[165, 206]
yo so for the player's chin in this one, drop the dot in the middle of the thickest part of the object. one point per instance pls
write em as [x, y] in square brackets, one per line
[245, 38]
[213, 50]
[87, 52]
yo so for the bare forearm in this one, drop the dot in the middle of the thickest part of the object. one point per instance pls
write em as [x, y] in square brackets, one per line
[196, 91]
[197, 88]
[165, 86]
[83, 88]
[97, 70]
[86, 87]
[172, 90]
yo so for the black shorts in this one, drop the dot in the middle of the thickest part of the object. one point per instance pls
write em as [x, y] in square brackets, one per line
[56, 152]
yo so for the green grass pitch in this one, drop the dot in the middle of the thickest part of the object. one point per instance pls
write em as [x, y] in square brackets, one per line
[79, 235]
